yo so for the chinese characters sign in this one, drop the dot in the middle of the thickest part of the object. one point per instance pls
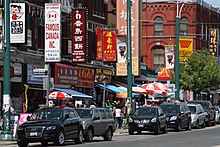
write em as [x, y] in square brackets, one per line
[79, 35]
[121, 69]
[213, 42]
[85, 77]
[17, 23]
[109, 46]
[185, 48]
[99, 44]
[52, 32]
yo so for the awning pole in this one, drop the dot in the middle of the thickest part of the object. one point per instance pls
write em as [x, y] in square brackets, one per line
[103, 102]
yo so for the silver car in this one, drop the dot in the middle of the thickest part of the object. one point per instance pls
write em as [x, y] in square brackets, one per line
[217, 116]
[198, 115]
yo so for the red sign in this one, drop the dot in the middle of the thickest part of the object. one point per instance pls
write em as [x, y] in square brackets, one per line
[65, 74]
[99, 44]
[85, 77]
[109, 46]
[79, 35]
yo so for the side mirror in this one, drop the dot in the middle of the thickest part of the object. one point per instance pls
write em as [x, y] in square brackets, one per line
[28, 118]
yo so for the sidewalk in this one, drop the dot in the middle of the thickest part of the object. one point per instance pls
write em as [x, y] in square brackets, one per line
[121, 132]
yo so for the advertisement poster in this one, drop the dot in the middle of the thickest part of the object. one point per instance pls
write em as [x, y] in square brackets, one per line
[185, 48]
[121, 48]
[52, 32]
[169, 56]
[213, 42]
[17, 23]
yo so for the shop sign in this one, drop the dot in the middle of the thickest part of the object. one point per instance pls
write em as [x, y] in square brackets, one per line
[52, 32]
[79, 35]
[169, 56]
[2, 71]
[103, 75]
[30, 75]
[185, 48]
[99, 43]
[85, 77]
[121, 48]
[109, 46]
[17, 23]
[65, 74]
[213, 42]
[65, 5]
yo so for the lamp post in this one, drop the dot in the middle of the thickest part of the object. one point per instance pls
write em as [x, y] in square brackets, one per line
[129, 57]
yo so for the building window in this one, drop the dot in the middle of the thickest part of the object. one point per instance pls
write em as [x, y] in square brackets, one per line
[184, 26]
[158, 58]
[158, 26]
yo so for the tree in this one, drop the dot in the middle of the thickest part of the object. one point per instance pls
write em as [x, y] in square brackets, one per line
[200, 72]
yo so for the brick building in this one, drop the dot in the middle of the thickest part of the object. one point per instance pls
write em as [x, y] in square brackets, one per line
[159, 27]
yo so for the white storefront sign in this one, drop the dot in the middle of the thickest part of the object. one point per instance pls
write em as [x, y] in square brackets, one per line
[52, 32]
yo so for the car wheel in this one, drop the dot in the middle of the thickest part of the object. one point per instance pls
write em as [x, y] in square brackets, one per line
[22, 143]
[178, 127]
[157, 129]
[165, 129]
[79, 139]
[108, 135]
[60, 139]
[89, 135]
[208, 124]
[44, 143]
[130, 132]
[219, 120]
[189, 127]
[197, 124]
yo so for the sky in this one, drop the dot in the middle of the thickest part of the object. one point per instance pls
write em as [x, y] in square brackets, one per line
[214, 3]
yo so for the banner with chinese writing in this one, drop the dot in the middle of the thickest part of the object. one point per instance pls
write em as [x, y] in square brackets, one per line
[98, 32]
[185, 48]
[121, 67]
[213, 42]
[121, 48]
[17, 23]
[52, 32]
[85, 77]
[109, 46]
[169, 56]
[79, 35]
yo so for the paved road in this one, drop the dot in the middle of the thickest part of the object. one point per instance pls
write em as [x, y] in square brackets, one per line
[207, 137]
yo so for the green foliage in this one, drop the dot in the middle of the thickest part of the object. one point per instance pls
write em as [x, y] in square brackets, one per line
[200, 72]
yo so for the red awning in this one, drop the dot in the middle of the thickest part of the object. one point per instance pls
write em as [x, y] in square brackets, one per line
[164, 75]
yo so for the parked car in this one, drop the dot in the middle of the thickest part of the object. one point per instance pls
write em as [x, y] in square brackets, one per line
[178, 115]
[207, 106]
[97, 122]
[198, 115]
[147, 118]
[50, 125]
[217, 112]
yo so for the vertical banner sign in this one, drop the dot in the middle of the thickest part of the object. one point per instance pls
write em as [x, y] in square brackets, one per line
[79, 35]
[17, 23]
[121, 68]
[185, 48]
[52, 32]
[109, 46]
[121, 48]
[99, 43]
[1, 31]
[213, 42]
[169, 56]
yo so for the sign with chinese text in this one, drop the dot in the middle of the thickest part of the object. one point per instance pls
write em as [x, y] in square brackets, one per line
[99, 43]
[65, 74]
[109, 46]
[169, 56]
[17, 23]
[79, 35]
[121, 48]
[121, 67]
[31, 79]
[185, 48]
[52, 32]
[85, 77]
[213, 42]
[102, 75]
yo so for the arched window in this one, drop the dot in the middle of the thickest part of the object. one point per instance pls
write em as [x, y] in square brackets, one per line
[183, 26]
[158, 26]
[158, 58]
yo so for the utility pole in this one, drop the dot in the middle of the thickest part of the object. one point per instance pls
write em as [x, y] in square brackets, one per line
[7, 134]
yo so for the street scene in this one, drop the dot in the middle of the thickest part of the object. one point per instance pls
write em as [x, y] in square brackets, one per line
[109, 73]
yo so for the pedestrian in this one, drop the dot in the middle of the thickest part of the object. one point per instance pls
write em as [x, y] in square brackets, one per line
[71, 103]
[118, 116]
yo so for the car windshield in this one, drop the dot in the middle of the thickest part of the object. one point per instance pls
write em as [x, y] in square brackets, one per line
[146, 111]
[170, 108]
[47, 114]
[84, 113]
[205, 105]
[192, 109]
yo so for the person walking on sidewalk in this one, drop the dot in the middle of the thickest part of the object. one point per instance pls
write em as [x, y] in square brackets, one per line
[118, 116]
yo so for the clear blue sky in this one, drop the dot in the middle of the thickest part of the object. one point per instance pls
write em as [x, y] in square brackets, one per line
[214, 3]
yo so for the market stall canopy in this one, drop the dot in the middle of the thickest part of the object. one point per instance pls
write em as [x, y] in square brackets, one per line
[154, 88]
[136, 89]
[164, 75]
[58, 95]
[74, 94]
[111, 88]
[125, 95]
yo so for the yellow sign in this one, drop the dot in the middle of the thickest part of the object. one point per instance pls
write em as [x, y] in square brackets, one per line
[185, 48]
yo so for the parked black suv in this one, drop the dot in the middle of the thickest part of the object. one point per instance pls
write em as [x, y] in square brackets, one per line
[97, 122]
[50, 125]
[178, 115]
[207, 106]
[147, 118]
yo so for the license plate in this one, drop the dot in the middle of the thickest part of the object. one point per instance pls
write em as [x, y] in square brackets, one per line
[33, 134]
[140, 125]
